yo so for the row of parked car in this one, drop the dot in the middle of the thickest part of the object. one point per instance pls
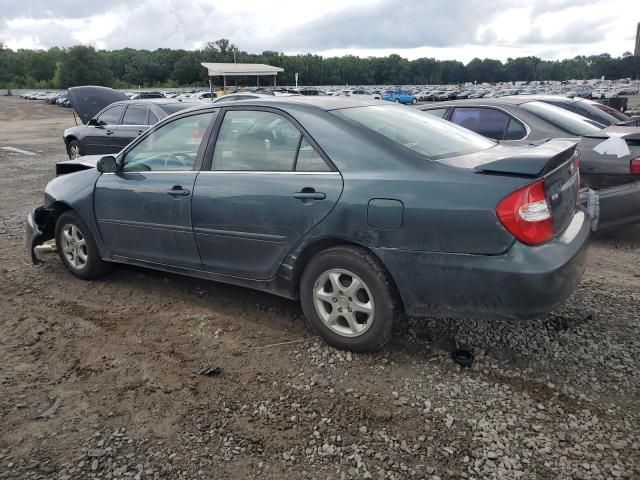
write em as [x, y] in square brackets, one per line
[361, 209]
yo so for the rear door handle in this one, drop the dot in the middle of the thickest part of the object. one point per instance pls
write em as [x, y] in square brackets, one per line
[178, 191]
[309, 195]
[109, 132]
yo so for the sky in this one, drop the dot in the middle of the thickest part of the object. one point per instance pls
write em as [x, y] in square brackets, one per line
[443, 29]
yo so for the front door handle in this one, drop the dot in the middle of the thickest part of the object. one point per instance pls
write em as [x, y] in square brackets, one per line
[109, 132]
[178, 191]
[309, 194]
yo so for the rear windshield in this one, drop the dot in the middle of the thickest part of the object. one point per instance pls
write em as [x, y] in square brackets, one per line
[423, 133]
[563, 119]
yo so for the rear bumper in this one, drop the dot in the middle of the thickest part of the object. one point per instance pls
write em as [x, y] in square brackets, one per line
[525, 282]
[619, 205]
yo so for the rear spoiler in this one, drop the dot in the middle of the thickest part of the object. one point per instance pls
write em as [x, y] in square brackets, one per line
[626, 132]
[532, 161]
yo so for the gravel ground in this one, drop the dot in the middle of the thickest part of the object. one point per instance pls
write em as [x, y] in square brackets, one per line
[555, 398]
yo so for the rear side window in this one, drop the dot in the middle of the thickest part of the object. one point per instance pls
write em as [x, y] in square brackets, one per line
[437, 112]
[111, 116]
[515, 130]
[256, 141]
[485, 121]
[153, 118]
[309, 160]
[135, 115]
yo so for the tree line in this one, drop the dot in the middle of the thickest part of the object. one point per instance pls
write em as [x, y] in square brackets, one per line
[130, 68]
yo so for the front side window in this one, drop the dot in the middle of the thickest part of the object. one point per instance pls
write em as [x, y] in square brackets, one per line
[423, 133]
[110, 116]
[173, 146]
[485, 121]
[256, 141]
[135, 115]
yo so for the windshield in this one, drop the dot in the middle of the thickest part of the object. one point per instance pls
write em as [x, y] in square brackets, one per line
[416, 130]
[568, 121]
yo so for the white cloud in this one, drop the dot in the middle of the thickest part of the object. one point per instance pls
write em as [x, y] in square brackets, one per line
[440, 28]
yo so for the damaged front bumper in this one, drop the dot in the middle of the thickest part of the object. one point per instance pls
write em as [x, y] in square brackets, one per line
[38, 230]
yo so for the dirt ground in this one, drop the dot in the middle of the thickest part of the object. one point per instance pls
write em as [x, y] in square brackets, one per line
[555, 398]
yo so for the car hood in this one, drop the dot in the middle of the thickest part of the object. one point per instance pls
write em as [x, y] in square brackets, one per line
[88, 100]
[83, 163]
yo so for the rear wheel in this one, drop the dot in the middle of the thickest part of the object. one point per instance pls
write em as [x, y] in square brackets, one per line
[74, 150]
[414, 101]
[348, 299]
[397, 100]
[77, 249]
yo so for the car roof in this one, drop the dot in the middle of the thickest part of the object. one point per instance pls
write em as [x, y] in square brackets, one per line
[318, 102]
[508, 100]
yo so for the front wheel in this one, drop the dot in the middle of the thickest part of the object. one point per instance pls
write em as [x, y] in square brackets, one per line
[414, 101]
[397, 100]
[77, 248]
[348, 299]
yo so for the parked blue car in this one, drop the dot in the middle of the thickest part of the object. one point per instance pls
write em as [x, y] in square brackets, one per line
[360, 209]
[399, 96]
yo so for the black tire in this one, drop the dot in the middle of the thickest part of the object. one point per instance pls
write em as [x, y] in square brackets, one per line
[397, 101]
[74, 144]
[370, 271]
[414, 101]
[93, 267]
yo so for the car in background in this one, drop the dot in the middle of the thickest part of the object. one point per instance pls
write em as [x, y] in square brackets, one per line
[308, 91]
[609, 157]
[423, 95]
[360, 93]
[111, 120]
[399, 96]
[333, 201]
[146, 95]
[589, 109]
[201, 97]
[603, 93]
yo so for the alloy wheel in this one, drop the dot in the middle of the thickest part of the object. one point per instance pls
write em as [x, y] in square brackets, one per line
[74, 246]
[344, 302]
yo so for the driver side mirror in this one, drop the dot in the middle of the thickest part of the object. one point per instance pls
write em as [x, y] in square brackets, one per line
[93, 122]
[107, 164]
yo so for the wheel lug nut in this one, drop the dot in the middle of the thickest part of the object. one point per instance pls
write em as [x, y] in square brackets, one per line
[334, 299]
[349, 309]
[340, 309]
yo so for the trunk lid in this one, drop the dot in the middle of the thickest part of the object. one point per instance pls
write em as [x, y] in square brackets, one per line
[556, 162]
[88, 100]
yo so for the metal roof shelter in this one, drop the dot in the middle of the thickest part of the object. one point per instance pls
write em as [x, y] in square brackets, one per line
[225, 70]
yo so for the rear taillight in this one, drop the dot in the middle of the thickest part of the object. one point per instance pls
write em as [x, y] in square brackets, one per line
[634, 167]
[526, 214]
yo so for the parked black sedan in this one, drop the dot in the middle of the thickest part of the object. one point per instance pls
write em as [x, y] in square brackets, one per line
[609, 157]
[111, 120]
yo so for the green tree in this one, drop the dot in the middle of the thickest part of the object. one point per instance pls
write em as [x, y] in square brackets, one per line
[84, 66]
